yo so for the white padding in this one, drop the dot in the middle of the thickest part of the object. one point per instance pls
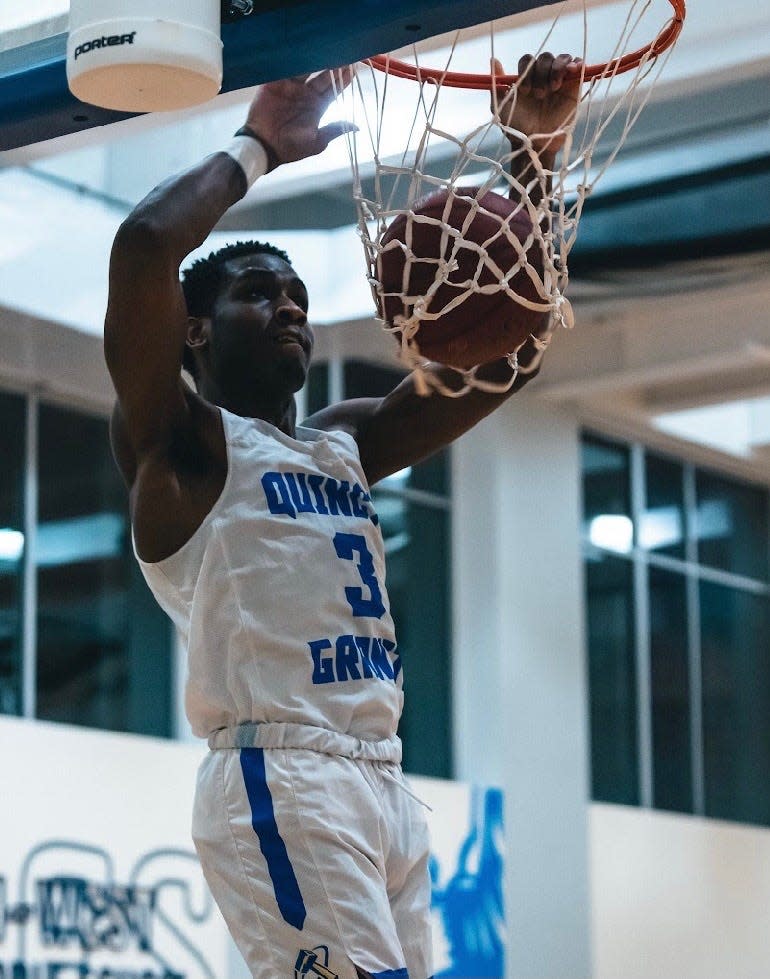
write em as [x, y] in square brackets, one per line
[250, 155]
[144, 55]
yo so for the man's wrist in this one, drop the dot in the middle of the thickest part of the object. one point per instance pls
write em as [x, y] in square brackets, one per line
[542, 145]
[272, 157]
[251, 157]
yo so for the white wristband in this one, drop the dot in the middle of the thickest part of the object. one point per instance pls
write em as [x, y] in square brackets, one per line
[250, 155]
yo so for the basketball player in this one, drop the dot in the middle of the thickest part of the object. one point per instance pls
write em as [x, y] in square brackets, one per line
[259, 538]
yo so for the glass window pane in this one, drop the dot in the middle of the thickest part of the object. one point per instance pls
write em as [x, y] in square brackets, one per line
[662, 529]
[103, 646]
[317, 388]
[606, 496]
[736, 703]
[612, 678]
[672, 764]
[732, 526]
[430, 476]
[12, 448]
[417, 547]
[366, 380]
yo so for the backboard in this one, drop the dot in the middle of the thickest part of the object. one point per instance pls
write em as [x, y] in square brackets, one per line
[280, 38]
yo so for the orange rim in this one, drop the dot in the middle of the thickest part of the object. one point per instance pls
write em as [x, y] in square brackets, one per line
[459, 79]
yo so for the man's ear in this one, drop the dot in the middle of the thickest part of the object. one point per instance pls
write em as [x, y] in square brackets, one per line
[198, 330]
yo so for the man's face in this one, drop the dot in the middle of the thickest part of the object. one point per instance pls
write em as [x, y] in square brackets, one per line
[259, 328]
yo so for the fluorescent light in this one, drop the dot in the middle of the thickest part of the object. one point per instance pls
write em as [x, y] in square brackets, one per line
[11, 544]
[94, 537]
[660, 527]
[714, 520]
[612, 532]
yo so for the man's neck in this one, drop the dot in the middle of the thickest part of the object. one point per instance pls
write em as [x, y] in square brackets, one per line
[280, 412]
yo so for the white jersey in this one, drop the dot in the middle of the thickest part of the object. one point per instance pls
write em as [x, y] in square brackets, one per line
[279, 595]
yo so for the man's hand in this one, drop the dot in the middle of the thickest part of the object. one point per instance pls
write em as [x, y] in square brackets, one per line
[285, 115]
[543, 104]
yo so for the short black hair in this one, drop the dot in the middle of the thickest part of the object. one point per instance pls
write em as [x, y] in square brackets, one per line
[202, 281]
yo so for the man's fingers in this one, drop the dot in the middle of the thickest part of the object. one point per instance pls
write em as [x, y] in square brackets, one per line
[334, 129]
[344, 76]
[526, 63]
[558, 71]
[540, 74]
[498, 96]
[573, 77]
[329, 82]
[547, 73]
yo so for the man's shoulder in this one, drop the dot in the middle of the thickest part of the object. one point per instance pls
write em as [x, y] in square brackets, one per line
[189, 446]
[176, 484]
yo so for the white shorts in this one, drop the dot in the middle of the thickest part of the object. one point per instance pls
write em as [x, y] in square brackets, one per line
[317, 856]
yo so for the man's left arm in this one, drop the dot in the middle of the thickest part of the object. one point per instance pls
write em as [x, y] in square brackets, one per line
[405, 427]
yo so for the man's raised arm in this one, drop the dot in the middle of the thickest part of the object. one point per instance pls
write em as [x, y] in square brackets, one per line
[542, 106]
[146, 323]
[404, 427]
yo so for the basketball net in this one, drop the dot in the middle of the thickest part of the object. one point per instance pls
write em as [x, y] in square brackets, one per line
[436, 148]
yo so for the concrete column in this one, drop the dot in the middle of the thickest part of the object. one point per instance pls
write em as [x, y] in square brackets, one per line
[520, 677]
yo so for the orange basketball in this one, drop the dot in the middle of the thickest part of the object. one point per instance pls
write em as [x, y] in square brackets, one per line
[484, 326]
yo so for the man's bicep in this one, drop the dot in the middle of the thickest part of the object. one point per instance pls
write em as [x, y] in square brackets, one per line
[405, 427]
[388, 431]
[122, 450]
[377, 426]
[144, 335]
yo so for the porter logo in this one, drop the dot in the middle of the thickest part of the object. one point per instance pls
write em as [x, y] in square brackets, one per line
[104, 42]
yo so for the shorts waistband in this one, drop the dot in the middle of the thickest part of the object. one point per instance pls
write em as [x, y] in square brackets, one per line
[285, 735]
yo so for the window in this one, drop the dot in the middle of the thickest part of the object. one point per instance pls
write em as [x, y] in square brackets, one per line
[317, 388]
[12, 450]
[736, 703]
[662, 527]
[670, 691]
[414, 510]
[97, 646]
[678, 614]
[731, 526]
[415, 526]
[613, 712]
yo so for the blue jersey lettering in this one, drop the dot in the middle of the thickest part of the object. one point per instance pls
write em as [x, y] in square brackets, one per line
[323, 666]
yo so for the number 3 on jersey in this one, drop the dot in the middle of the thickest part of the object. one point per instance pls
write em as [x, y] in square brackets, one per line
[348, 546]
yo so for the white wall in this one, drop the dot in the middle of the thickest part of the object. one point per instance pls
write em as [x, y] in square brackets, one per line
[677, 897]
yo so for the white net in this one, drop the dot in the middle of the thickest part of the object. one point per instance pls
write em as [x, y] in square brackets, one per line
[492, 277]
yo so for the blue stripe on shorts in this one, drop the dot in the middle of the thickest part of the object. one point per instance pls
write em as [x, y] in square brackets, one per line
[391, 974]
[285, 886]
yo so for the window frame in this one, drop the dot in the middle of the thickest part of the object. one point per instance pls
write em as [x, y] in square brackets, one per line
[32, 400]
[642, 560]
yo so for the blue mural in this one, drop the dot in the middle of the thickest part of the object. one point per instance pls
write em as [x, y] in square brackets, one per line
[470, 904]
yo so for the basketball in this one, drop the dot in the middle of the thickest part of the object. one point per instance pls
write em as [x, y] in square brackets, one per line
[478, 238]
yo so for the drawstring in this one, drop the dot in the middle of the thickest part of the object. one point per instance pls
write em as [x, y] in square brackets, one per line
[403, 786]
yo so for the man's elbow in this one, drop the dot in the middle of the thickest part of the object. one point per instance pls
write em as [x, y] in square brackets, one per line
[141, 235]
